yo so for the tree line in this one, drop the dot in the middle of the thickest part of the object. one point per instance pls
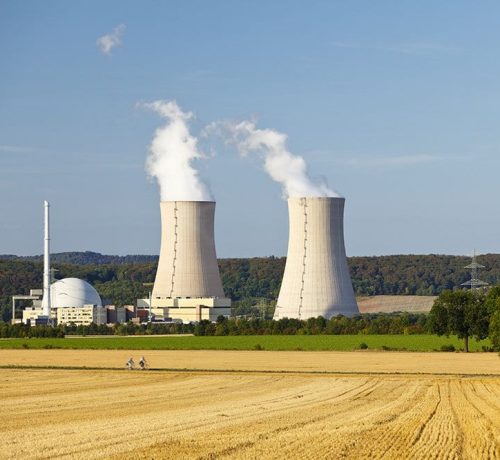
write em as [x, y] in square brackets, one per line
[391, 323]
[8, 330]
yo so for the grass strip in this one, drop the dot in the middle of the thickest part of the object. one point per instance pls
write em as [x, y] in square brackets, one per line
[419, 343]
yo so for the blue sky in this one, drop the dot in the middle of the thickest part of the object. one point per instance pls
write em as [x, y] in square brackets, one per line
[395, 103]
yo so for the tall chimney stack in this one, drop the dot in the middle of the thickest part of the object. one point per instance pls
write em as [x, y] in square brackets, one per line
[316, 281]
[46, 301]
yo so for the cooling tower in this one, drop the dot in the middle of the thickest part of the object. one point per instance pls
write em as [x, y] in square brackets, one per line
[188, 263]
[316, 281]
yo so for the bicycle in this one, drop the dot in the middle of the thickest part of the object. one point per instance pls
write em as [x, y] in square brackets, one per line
[143, 364]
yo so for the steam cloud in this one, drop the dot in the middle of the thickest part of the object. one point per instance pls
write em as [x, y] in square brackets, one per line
[107, 42]
[171, 154]
[283, 166]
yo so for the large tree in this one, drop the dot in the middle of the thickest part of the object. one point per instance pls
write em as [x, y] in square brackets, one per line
[463, 313]
[493, 306]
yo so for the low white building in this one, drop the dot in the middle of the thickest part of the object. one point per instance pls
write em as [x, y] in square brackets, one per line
[82, 316]
[187, 309]
[31, 314]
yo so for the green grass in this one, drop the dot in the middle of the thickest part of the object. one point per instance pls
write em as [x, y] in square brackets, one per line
[252, 342]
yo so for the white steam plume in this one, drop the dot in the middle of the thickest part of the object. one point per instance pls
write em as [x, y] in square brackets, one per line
[283, 166]
[171, 154]
[107, 42]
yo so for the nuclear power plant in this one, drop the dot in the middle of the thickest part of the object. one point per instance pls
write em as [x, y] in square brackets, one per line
[316, 281]
[187, 285]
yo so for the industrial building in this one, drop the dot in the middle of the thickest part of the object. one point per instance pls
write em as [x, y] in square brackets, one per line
[82, 316]
[66, 301]
[187, 309]
[316, 281]
[72, 301]
[187, 286]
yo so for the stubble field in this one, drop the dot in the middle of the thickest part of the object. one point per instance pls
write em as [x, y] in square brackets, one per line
[291, 412]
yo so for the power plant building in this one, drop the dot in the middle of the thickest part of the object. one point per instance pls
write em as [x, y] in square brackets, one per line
[316, 281]
[72, 301]
[82, 316]
[187, 286]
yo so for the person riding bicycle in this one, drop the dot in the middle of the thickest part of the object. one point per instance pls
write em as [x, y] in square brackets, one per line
[142, 363]
[130, 364]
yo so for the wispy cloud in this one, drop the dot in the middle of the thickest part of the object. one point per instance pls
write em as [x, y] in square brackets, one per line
[414, 48]
[403, 160]
[16, 149]
[107, 42]
[395, 161]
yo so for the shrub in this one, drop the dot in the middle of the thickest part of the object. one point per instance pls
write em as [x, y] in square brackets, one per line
[258, 346]
[363, 346]
[25, 345]
[449, 347]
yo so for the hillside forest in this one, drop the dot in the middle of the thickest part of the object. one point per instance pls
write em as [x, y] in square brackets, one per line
[252, 283]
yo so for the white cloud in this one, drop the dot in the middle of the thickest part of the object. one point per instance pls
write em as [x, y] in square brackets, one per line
[107, 42]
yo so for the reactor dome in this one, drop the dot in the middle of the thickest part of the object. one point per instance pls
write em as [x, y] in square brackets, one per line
[73, 292]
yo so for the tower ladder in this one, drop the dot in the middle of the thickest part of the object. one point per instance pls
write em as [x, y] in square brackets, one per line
[174, 260]
[303, 202]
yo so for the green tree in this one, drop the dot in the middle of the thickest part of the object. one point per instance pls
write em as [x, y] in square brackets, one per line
[494, 331]
[493, 306]
[463, 313]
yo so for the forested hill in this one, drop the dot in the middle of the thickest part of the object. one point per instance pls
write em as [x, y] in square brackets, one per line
[246, 281]
[85, 258]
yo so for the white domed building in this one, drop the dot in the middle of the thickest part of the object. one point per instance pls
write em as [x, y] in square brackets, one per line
[73, 292]
[76, 302]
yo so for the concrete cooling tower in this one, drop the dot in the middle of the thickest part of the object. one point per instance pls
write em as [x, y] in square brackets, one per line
[316, 281]
[188, 286]
[188, 263]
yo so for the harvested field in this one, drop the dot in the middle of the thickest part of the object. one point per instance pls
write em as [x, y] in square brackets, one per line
[117, 414]
[265, 361]
[393, 303]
